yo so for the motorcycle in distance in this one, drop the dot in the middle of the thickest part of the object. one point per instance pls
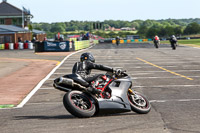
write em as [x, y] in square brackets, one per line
[156, 43]
[116, 95]
[174, 43]
[117, 40]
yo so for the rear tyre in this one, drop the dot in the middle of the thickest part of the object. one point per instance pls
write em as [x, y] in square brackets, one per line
[139, 103]
[79, 104]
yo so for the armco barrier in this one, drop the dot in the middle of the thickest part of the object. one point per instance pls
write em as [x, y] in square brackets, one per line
[2, 46]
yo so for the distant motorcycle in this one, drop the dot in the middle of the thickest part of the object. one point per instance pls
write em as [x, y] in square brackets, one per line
[117, 40]
[173, 44]
[156, 43]
[116, 95]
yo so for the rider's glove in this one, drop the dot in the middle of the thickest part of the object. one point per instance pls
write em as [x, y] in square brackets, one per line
[118, 71]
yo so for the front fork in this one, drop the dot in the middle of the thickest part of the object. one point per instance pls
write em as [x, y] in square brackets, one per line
[131, 91]
[133, 94]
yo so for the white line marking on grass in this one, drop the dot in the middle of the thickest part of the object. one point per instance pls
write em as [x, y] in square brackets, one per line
[26, 99]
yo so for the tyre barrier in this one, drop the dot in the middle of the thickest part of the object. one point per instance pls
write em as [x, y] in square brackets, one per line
[6, 45]
[11, 46]
[25, 45]
[2, 46]
[16, 46]
[21, 46]
[30, 45]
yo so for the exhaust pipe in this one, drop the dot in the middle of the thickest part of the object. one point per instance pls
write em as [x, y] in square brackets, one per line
[65, 81]
[68, 82]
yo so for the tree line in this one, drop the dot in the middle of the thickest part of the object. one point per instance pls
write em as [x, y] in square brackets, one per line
[145, 28]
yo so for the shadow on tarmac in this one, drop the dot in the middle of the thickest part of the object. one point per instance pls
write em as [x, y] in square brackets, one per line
[43, 117]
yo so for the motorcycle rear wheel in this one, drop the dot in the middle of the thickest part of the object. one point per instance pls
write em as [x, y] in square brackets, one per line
[79, 104]
[139, 103]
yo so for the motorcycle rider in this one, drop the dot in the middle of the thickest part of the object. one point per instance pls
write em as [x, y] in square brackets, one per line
[156, 39]
[84, 67]
[117, 40]
[173, 39]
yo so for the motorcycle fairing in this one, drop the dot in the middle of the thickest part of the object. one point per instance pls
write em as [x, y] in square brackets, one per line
[119, 99]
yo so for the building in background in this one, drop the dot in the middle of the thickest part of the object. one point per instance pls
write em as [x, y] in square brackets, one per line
[15, 23]
[11, 15]
[11, 34]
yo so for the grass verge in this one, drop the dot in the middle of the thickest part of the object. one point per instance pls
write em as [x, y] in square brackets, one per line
[6, 106]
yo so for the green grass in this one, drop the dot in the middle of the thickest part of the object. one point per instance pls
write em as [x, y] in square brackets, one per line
[6, 106]
[192, 41]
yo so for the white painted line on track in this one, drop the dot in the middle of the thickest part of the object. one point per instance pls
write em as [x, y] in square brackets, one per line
[195, 47]
[174, 100]
[166, 71]
[176, 77]
[159, 86]
[26, 99]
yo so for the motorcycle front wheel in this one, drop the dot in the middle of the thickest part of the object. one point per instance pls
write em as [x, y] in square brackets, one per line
[79, 104]
[173, 46]
[156, 45]
[139, 103]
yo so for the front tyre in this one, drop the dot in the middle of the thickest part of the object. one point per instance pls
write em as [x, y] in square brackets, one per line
[139, 103]
[79, 104]
[156, 45]
[173, 45]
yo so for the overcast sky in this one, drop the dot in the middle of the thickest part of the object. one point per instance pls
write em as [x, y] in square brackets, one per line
[100, 10]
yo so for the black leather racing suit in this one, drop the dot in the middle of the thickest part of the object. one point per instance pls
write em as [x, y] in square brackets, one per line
[84, 69]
